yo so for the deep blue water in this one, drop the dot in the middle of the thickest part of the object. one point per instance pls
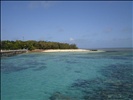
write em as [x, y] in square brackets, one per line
[68, 76]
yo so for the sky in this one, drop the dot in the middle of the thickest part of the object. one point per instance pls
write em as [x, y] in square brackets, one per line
[88, 24]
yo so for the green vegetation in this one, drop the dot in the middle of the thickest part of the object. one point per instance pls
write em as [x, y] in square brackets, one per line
[31, 45]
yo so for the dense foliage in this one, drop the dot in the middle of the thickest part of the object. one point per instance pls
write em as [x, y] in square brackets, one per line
[31, 45]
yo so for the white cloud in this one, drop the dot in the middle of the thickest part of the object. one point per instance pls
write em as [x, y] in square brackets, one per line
[126, 30]
[71, 40]
[108, 30]
[61, 30]
[45, 4]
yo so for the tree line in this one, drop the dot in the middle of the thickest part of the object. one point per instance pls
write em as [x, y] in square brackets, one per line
[32, 44]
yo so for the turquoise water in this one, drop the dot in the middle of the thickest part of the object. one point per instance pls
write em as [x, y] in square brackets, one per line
[68, 76]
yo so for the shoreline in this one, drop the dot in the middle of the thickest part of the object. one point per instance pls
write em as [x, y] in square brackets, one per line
[71, 50]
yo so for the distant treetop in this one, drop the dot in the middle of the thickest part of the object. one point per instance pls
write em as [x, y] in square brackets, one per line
[32, 44]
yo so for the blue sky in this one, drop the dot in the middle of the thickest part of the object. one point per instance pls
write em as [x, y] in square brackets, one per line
[88, 24]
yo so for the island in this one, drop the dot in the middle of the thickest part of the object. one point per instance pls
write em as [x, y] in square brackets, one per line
[9, 48]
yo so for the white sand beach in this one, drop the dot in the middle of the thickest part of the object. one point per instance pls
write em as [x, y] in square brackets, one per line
[72, 50]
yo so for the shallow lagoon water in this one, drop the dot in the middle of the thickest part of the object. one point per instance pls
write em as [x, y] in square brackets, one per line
[68, 76]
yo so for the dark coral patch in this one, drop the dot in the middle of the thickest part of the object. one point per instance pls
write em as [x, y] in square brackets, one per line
[117, 84]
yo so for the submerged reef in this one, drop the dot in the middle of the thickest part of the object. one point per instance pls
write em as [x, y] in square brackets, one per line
[116, 84]
[59, 96]
[14, 67]
[40, 68]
